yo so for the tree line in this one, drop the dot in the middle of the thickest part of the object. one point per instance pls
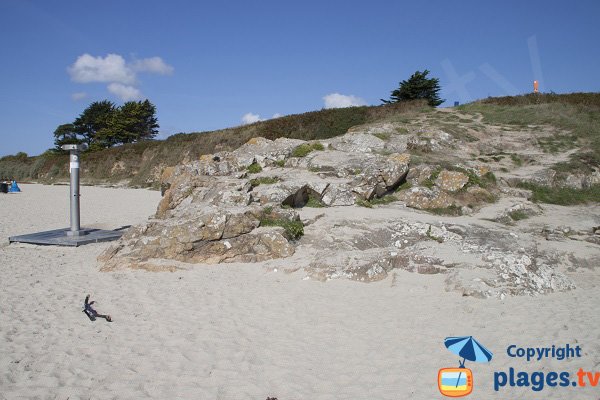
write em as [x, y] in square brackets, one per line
[103, 124]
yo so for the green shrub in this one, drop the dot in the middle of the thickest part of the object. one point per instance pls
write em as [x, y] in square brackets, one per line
[383, 200]
[516, 159]
[562, 195]
[305, 148]
[486, 180]
[280, 163]
[405, 186]
[314, 202]
[376, 201]
[264, 180]
[254, 168]
[364, 203]
[302, 150]
[293, 229]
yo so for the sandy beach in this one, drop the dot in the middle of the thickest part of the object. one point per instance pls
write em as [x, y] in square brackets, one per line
[250, 331]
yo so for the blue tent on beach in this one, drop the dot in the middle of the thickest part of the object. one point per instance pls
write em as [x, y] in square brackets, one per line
[14, 188]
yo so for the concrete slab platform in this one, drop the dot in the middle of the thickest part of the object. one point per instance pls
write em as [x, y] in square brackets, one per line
[59, 237]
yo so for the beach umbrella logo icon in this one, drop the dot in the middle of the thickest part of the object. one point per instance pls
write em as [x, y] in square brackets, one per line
[458, 382]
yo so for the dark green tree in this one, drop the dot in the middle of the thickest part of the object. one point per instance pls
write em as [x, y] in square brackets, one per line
[66, 134]
[103, 125]
[135, 121]
[148, 127]
[96, 117]
[418, 86]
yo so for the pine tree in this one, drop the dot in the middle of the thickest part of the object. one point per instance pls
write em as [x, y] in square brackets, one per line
[135, 121]
[418, 86]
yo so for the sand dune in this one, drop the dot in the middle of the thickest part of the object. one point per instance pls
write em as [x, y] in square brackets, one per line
[244, 331]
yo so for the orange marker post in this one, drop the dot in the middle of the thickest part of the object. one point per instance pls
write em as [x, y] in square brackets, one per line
[535, 86]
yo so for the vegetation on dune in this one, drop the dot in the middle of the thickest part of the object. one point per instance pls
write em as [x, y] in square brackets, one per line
[140, 163]
[576, 115]
[589, 99]
[559, 122]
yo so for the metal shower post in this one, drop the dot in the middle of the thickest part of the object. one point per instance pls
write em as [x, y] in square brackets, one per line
[74, 150]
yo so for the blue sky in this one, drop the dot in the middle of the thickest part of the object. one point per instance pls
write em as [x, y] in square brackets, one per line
[207, 65]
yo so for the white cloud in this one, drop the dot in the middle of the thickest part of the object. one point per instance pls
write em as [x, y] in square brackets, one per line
[78, 96]
[111, 68]
[250, 118]
[336, 100]
[114, 70]
[153, 64]
[125, 92]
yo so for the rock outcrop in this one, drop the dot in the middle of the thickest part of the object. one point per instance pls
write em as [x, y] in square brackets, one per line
[239, 206]
[247, 205]
[476, 261]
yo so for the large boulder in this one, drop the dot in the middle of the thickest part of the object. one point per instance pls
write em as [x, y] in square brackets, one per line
[204, 236]
[358, 143]
[381, 175]
[425, 199]
[451, 181]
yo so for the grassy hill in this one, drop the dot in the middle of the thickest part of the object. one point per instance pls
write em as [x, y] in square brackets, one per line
[140, 164]
[577, 113]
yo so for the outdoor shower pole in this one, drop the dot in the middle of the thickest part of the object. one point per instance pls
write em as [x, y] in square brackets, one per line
[74, 150]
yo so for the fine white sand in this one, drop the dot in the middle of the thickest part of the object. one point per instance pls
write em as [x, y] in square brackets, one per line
[238, 331]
